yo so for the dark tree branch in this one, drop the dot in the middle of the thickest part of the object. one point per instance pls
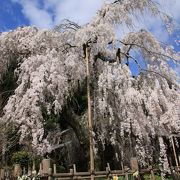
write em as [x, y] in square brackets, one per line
[67, 25]
[149, 51]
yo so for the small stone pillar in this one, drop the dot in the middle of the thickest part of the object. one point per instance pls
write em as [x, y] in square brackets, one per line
[45, 166]
[134, 164]
[17, 170]
[2, 174]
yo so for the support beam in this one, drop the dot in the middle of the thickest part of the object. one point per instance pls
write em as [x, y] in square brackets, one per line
[174, 150]
[90, 123]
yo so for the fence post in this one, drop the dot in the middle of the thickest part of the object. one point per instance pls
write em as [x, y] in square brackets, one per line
[40, 168]
[24, 170]
[34, 167]
[72, 173]
[152, 177]
[108, 169]
[126, 172]
[49, 173]
[54, 169]
[29, 170]
[74, 168]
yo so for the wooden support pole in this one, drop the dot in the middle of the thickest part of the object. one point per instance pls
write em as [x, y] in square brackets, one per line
[174, 150]
[90, 126]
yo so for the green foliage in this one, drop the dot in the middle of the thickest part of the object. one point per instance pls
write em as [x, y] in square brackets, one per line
[61, 169]
[9, 78]
[146, 177]
[8, 83]
[119, 178]
[157, 177]
[22, 158]
[37, 160]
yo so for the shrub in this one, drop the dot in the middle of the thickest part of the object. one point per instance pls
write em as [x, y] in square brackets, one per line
[22, 157]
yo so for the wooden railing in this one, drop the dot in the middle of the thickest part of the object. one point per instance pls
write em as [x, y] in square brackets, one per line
[107, 174]
[48, 173]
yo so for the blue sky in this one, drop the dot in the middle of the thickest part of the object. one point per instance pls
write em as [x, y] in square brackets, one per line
[11, 15]
[45, 13]
[48, 13]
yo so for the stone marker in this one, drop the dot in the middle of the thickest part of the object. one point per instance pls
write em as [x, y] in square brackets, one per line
[17, 170]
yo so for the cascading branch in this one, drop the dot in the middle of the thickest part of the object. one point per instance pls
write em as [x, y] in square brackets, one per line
[145, 106]
[46, 75]
[128, 111]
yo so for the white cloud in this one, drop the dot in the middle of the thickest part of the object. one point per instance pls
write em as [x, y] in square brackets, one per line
[80, 11]
[52, 12]
[37, 16]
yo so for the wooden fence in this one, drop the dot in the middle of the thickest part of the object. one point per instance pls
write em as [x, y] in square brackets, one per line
[108, 174]
[46, 172]
[125, 174]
